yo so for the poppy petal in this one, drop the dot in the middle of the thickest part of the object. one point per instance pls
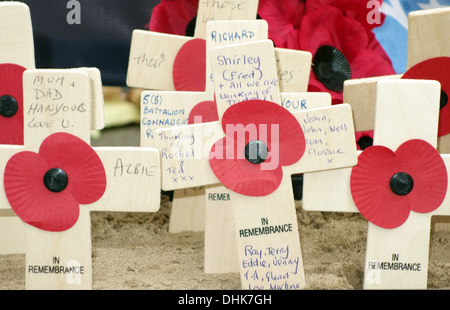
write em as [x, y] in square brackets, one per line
[274, 125]
[189, 67]
[206, 110]
[428, 171]
[370, 189]
[31, 200]
[241, 176]
[11, 127]
[87, 178]
[435, 69]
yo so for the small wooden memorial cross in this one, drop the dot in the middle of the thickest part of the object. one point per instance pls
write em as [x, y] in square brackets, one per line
[266, 260]
[396, 253]
[162, 109]
[189, 206]
[428, 52]
[17, 51]
[57, 115]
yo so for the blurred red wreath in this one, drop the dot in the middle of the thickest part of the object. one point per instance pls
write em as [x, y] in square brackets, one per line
[342, 49]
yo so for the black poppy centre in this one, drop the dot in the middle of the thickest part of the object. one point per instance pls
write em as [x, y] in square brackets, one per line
[256, 152]
[56, 180]
[444, 99]
[331, 67]
[401, 183]
[364, 142]
[190, 27]
[8, 106]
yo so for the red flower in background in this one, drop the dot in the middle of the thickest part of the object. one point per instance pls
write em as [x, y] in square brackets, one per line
[342, 49]
[45, 189]
[260, 138]
[174, 16]
[11, 104]
[387, 185]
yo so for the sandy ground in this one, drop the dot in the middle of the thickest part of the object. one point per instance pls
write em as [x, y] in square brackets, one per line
[134, 251]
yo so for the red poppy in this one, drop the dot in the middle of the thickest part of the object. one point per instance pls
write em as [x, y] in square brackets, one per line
[45, 189]
[436, 69]
[260, 138]
[203, 112]
[387, 185]
[174, 16]
[11, 104]
[342, 49]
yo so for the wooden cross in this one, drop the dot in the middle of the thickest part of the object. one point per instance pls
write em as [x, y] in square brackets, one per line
[162, 109]
[17, 48]
[426, 40]
[152, 62]
[265, 261]
[12, 236]
[190, 206]
[55, 102]
[396, 258]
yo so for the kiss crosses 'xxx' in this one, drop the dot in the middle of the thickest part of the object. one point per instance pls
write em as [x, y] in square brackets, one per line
[398, 238]
[57, 134]
[263, 258]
